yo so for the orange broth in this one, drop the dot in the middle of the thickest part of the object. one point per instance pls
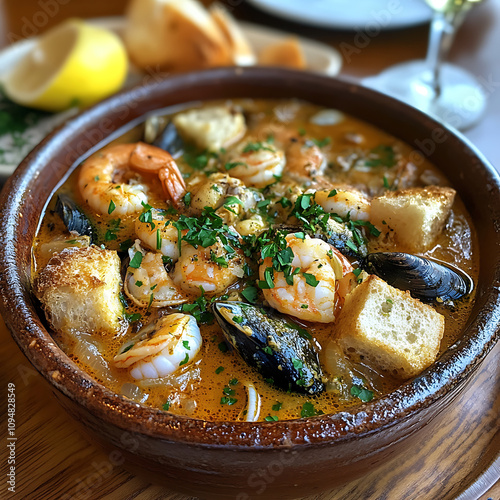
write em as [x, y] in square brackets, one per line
[214, 373]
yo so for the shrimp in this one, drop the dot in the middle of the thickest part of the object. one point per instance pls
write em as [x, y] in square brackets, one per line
[109, 186]
[175, 343]
[148, 159]
[148, 284]
[210, 268]
[158, 233]
[227, 195]
[304, 159]
[109, 182]
[313, 301]
[255, 163]
[345, 202]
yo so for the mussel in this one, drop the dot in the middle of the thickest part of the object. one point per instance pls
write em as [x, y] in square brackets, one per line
[74, 219]
[166, 138]
[276, 346]
[343, 239]
[336, 234]
[425, 279]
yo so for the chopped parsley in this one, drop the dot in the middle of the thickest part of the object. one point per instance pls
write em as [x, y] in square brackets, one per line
[166, 406]
[357, 273]
[136, 260]
[220, 261]
[187, 199]
[111, 207]
[132, 318]
[257, 146]
[206, 230]
[234, 164]
[321, 143]
[222, 347]
[310, 279]
[250, 293]
[232, 200]
[125, 245]
[199, 309]
[114, 227]
[218, 370]
[271, 418]
[308, 410]
[277, 406]
[228, 401]
[198, 161]
[127, 348]
[185, 360]
[381, 156]
[360, 392]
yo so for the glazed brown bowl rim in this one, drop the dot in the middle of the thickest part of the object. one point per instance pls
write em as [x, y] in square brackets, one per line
[448, 374]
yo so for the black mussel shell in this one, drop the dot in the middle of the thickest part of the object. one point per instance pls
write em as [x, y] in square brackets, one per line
[73, 217]
[170, 140]
[269, 341]
[342, 238]
[336, 234]
[425, 279]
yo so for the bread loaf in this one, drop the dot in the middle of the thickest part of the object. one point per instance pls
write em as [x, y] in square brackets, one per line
[287, 53]
[242, 53]
[176, 35]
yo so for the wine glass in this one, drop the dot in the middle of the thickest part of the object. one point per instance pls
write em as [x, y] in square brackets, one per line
[443, 90]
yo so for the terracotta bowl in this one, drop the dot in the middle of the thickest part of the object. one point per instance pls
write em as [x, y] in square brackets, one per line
[239, 459]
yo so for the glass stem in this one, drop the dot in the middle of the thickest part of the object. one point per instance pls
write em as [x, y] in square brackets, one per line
[441, 34]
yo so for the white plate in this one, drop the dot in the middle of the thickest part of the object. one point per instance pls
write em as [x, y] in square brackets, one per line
[349, 14]
[320, 58]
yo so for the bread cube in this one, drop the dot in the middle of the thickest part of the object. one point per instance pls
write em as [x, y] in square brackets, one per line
[414, 216]
[211, 128]
[79, 290]
[390, 329]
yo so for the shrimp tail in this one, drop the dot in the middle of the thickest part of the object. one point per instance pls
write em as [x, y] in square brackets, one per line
[173, 184]
[148, 159]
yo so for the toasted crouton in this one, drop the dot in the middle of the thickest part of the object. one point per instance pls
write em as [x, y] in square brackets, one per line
[389, 328]
[211, 128]
[414, 216]
[175, 35]
[79, 290]
[242, 53]
[287, 53]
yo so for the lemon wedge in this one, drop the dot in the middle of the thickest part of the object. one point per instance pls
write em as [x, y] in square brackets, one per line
[74, 63]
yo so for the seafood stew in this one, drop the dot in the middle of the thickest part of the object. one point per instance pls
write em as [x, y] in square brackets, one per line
[201, 264]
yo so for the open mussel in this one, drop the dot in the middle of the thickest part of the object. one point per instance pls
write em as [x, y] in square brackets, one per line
[277, 347]
[74, 219]
[425, 279]
[342, 238]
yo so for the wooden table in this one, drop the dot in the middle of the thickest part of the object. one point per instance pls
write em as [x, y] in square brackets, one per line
[461, 461]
